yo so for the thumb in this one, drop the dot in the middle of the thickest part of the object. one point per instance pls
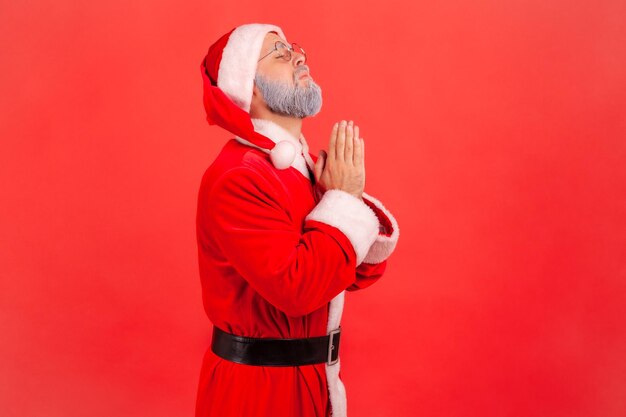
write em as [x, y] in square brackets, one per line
[319, 164]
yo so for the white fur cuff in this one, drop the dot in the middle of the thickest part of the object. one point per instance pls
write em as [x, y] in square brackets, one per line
[349, 214]
[384, 245]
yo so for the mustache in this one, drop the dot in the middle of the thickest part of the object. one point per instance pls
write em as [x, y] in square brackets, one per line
[300, 70]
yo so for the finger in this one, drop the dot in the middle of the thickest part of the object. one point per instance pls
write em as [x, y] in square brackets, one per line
[363, 159]
[363, 150]
[358, 153]
[319, 165]
[333, 141]
[349, 146]
[341, 140]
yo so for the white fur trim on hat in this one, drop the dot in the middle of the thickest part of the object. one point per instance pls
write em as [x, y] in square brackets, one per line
[239, 61]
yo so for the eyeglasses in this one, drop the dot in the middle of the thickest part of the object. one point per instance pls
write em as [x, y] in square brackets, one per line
[285, 51]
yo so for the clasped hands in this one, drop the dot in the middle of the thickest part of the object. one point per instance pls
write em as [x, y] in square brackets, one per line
[343, 166]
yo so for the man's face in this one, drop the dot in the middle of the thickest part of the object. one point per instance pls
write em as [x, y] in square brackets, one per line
[286, 86]
[276, 69]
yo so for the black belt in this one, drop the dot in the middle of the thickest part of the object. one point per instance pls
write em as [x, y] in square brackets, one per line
[275, 351]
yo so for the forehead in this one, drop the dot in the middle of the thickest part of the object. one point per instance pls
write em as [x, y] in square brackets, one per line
[270, 40]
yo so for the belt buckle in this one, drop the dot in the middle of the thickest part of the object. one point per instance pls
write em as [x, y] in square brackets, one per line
[331, 346]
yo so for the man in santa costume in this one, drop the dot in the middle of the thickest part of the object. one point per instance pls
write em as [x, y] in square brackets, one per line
[282, 235]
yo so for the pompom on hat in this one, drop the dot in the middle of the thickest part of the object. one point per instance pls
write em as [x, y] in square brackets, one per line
[228, 72]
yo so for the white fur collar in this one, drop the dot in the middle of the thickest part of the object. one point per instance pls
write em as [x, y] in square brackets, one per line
[277, 133]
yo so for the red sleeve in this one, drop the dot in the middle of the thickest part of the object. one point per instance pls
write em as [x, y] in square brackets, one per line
[297, 269]
[375, 261]
[389, 232]
[367, 274]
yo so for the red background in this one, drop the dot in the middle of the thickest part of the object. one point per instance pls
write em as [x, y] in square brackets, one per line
[495, 133]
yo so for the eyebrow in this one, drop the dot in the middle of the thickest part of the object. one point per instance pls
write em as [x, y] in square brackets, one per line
[278, 40]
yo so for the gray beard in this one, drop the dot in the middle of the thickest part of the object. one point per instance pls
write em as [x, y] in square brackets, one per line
[290, 100]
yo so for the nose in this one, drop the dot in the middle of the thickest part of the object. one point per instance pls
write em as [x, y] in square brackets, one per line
[299, 59]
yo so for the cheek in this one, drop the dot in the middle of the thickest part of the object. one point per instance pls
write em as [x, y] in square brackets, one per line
[279, 71]
[284, 73]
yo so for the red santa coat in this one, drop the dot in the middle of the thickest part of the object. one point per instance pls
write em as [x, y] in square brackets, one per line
[276, 258]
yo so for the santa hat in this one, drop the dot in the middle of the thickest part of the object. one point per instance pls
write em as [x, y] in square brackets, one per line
[228, 72]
